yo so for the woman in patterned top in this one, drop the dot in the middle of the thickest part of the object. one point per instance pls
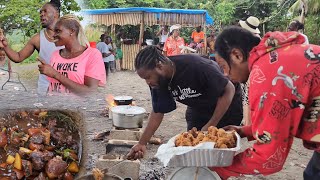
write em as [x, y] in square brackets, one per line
[173, 43]
[284, 98]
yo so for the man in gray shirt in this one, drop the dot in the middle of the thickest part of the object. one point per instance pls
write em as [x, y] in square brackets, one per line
[105, 48]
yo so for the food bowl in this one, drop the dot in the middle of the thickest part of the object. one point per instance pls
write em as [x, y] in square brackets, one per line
[25, 125]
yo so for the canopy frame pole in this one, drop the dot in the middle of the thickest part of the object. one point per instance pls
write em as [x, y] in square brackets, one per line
[205, 35]
[141, 31]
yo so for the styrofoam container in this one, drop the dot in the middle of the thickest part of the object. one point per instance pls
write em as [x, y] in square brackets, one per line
[206, 157]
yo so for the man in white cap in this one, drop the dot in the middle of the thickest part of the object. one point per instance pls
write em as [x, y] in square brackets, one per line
[251, 24]
[173, 43]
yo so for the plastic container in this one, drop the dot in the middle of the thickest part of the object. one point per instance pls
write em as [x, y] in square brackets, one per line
[93, 44]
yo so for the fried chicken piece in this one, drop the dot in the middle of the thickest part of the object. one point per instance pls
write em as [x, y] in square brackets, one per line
[221, 133]
[220, 142]
[200, 136]
[208, 139]
[196, 142]
[212, 130]
[178, 140]
[97, 174]
[184, 139]
[213, 138]
[231, 143]
[186, 142]
[193, 132]
[193, 137]
[223, 146]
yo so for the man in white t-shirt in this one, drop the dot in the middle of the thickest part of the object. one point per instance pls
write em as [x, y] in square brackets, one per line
[105, 51]
[111, 58]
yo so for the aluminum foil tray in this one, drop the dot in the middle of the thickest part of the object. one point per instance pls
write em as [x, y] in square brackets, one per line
[206, 157]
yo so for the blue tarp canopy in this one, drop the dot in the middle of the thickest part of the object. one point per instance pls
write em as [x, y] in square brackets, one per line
[208, 18]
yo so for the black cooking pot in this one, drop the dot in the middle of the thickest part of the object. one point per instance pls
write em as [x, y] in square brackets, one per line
[123, 100]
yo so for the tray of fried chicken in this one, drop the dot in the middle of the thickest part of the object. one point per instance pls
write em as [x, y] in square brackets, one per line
[213, 148]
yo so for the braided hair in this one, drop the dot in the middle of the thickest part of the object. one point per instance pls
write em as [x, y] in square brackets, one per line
[149, 57]
[71, 21]
[56, 4]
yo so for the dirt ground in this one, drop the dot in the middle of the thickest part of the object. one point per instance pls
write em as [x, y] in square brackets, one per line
[128, 83]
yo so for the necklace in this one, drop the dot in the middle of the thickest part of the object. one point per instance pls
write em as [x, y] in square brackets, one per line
[174, 71]
[71, 54]
[45, 31]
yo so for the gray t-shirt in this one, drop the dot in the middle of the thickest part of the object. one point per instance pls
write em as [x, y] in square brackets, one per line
[104, 48]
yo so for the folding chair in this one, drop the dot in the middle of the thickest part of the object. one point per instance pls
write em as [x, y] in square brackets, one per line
[7, 67]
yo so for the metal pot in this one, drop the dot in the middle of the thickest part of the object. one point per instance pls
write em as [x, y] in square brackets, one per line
[123, 100]
[128, 116]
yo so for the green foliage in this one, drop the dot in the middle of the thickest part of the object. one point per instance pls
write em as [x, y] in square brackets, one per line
[177, 4]
[312, 29]
[20, 14]
[17, 41]
[24, 15]
[20, 20]
[223, 13]
[313, 7]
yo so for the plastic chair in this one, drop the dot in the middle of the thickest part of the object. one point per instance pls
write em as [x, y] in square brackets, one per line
[7, 67]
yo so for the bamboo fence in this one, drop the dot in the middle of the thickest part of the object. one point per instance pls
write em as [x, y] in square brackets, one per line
[131, 52]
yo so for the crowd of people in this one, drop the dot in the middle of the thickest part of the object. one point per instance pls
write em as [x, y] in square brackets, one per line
[265, 88]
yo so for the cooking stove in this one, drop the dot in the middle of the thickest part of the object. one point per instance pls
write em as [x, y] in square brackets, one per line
[120, 140]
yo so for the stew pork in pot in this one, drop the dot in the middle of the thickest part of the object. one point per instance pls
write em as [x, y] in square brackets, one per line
[38, 144]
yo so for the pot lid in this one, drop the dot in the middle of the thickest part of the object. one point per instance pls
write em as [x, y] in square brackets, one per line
[128, 110]
[194, 173]
[122, 98]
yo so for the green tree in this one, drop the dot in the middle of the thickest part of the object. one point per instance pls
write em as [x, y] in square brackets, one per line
[305, 7]
[222, 12]
[308, 12]
[24, 15]
[177, 4]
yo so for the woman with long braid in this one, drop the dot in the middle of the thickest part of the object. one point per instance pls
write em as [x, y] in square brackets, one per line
[191, 80]
[77, 68]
